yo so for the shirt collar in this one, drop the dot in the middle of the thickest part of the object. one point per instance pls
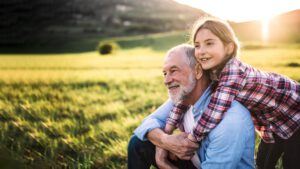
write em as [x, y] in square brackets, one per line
[202, 100]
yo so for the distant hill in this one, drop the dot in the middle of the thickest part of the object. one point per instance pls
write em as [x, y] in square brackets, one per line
[78, 25]
[53, 22]
[282, 28]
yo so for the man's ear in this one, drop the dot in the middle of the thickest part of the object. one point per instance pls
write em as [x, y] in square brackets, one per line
[198, 71]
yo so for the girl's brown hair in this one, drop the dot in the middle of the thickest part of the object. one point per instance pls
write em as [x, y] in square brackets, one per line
[219, 28]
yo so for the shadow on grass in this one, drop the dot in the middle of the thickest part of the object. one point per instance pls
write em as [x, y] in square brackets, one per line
[74, 45]
[7, 161]
[293, 64]
[113, 161]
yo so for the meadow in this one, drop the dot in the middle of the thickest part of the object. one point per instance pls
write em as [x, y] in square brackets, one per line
[79, 110]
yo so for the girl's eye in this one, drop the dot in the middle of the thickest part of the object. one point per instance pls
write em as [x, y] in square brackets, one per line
[209, 43]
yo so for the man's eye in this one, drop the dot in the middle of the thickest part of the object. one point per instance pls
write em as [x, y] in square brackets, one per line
[173, 71]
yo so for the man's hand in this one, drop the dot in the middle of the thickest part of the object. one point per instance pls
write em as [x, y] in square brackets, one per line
[177, 144]
[192, 138]
[161, 158]
[180, 145]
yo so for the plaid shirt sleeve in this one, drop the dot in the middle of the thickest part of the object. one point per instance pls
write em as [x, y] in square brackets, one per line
[229, 86]
[176, 114]
[262, 130]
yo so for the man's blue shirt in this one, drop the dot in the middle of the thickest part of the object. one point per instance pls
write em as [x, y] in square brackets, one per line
[229, 145]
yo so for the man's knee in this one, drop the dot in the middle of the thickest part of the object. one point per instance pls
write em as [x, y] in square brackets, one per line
[141, 154]
[133, 144]
[138, 147]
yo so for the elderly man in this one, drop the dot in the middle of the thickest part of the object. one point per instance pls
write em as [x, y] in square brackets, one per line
[229, 145]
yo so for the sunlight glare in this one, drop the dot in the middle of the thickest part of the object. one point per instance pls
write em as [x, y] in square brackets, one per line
[265, 29]
[243, 10]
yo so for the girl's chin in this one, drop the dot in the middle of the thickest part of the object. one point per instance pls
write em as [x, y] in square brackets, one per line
[206, 67]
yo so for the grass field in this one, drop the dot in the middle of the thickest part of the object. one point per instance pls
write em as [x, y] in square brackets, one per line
[79, 110]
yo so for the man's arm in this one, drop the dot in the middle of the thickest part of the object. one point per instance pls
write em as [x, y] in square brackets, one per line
[232, 140]
[157, 119]
[151, 128]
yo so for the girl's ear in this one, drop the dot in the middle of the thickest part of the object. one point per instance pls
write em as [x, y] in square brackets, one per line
[198, 71]
[229, 48]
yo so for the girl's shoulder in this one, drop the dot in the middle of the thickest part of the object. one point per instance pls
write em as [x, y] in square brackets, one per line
[237, 63]
[235, 67]
[234, 72]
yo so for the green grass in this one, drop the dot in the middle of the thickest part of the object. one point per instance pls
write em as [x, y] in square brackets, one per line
[79, 110]
[157, 42]
[83, 123]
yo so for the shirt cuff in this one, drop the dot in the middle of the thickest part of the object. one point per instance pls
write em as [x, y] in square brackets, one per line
[148, 125]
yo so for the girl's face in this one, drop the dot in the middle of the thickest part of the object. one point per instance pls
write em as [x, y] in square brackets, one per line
[210, 51]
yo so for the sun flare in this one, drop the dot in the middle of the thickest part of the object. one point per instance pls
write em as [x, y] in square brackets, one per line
[246, 10]
[243, 10]
[265, 29]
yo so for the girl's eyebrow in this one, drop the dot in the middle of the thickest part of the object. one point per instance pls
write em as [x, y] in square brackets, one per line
[206, 40]
[209, 40]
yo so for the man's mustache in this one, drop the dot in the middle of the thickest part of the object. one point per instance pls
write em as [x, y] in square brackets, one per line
[171, 85]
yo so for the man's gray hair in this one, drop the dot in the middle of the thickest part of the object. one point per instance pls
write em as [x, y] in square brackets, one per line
[189, 52]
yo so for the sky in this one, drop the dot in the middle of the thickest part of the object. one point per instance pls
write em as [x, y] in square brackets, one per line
[244, 10]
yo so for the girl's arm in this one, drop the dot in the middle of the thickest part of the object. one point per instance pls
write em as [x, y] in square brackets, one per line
[169, 128]
[220, 102]
[175, 117]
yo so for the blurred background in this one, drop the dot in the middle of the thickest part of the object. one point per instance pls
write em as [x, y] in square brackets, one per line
[78, 76]
[77, 25]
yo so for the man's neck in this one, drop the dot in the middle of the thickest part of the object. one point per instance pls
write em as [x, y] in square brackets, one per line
[201, 85]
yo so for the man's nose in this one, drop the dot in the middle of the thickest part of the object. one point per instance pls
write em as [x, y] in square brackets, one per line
[168, 79]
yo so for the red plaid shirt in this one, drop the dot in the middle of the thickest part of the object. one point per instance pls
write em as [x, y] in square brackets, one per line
[272, 99]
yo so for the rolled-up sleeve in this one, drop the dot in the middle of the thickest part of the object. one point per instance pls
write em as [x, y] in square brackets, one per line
[157, 119]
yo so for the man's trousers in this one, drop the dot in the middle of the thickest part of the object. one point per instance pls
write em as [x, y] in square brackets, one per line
[141, 155]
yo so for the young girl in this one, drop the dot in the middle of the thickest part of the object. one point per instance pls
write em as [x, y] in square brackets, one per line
[272, 99]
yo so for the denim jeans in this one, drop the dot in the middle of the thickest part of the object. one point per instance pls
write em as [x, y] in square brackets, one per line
[141, 155]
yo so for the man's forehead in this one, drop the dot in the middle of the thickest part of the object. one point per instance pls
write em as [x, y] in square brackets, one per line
[175, 55]
[175, 58]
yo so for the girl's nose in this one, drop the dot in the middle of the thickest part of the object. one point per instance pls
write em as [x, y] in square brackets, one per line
[201, 50]
[199, 53]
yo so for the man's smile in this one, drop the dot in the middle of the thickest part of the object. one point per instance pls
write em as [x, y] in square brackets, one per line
[173, 86]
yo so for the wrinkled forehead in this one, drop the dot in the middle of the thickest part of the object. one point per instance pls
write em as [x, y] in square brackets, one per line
[175, 58]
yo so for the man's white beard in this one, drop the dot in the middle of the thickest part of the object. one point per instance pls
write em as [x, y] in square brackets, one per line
[184, 90]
